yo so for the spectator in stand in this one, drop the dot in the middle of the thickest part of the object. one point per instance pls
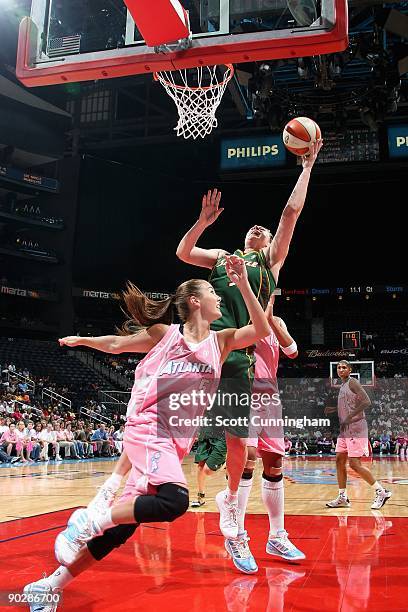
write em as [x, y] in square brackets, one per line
[38, 429]
[301, 446]
[23, 443]
[81, 438]
[64, 443]
[118, 438]
[401, 445]
[4, 457]
[32, 435]
[8, 440]
[100, 437]
[78, 447]
[385, 446]
[325, 445]
[16, 414]
[112, 447]
[288, 445]
[3, 426]
[92, 445]
[49, 436]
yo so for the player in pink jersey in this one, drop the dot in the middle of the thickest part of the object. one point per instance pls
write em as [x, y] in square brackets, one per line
[267, 442]
[156, 488]
[352, 443]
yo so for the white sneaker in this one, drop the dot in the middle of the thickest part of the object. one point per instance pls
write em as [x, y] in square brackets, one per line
[58, 458]
[241, 555]
[381, 496]
[228, 516]
[282, 547]
[46, 598]
[341, 501]
[102, 500]
[80, 529]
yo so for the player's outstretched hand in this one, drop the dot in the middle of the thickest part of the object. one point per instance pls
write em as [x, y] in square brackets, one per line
[236, 270]
[70, 341]
[210, 210]
[309, 160]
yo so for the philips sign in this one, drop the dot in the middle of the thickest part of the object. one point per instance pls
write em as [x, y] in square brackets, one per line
[257, 152]
[398, 141]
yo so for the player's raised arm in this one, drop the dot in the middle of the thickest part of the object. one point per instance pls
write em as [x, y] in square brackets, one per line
[187, 250]
[141, 342]
[278, 325]
[231, 339]
[277, 251]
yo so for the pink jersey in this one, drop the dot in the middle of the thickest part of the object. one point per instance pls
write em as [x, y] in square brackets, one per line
[267, 359]
[169, 370]
[266, 437]
[346, 403]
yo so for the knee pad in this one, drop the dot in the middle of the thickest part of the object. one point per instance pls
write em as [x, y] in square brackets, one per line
[170, 502]
[275, 478]
[248, 469]
[112, 538]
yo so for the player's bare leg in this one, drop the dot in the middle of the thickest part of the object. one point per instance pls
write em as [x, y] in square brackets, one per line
[341, 501]
[273, 496]
[203, 471]
[381, 494]
[106, 494]
[227, 501]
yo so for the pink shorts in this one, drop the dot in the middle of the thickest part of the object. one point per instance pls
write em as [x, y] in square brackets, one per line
[268, 445]
[354, 447]
[267, 438]
[154, 460]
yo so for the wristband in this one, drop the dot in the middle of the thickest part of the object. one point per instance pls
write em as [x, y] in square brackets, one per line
[291, 349]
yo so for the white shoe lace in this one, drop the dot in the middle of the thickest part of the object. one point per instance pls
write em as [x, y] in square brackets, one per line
[102, 500]
[281, 541]
[240, 548]
[81, 539]
[231, 515]
[378, 496]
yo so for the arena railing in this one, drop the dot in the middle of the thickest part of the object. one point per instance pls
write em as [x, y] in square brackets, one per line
[21, 378]
[95, 416]
[52, 395]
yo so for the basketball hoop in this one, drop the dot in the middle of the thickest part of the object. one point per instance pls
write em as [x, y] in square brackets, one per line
[197, 93]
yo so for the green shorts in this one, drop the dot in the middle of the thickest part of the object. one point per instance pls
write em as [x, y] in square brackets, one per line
[213, 451]
[234, 394]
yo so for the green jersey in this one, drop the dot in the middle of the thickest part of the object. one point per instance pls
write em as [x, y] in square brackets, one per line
[234, 311]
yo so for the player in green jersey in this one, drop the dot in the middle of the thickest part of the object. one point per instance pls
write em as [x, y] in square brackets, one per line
[264, 255]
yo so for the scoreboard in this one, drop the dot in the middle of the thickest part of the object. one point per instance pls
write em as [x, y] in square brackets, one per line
[350, 340]
[352, 145]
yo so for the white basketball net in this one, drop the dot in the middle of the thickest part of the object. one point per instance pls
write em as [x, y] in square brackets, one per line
[197, 93]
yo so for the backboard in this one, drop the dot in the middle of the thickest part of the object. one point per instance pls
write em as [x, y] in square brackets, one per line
[84, 40]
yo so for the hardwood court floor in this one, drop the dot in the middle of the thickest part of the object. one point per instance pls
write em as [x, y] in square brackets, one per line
[309, 483]
[355, 558]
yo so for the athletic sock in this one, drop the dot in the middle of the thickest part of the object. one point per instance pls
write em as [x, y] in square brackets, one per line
[274, 498]
[60, 578]
[113, 482]
[232, 496]
[378, 486]
[343, 492]
[104, 520]
[244, 491]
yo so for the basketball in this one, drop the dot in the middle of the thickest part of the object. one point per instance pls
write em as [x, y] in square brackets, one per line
[299, 134]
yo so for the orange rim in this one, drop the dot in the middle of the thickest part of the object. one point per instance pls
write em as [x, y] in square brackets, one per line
[230, 67]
